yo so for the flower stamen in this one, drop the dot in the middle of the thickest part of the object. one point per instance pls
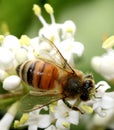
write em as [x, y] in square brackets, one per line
[16, 123]
[69, 30]
[24, 118]
[25, 40]
[66, 124]
[50, 11]
[37, 11]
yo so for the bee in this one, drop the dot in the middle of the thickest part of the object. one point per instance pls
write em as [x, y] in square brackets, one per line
[51, 75]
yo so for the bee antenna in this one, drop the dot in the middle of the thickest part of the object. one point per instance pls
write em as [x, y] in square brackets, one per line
[97, 97]
[98, 86]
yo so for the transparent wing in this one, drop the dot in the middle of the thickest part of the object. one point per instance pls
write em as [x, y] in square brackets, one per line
[36, 100]
[50, 53]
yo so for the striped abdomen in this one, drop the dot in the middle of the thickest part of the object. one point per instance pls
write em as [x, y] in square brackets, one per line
[38, 74]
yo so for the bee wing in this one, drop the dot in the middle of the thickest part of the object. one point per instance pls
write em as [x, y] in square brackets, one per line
[36, 100]
[50, 53]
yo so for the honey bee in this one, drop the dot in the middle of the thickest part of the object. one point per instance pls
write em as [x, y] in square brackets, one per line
[53, 76]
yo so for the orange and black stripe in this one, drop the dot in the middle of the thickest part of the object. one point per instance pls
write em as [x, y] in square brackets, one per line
[38, 74]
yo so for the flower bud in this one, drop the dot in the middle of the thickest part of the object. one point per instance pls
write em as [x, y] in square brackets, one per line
[11, 83]
[11, 42]
[6, 58]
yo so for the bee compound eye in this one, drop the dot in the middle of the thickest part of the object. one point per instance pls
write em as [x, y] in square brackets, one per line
[87, 85]
[84, 97]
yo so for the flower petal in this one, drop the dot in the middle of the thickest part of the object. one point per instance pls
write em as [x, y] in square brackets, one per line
[6, 58]
[11, 42]
[44, 121]
[73, 117]
[102, 86]
[107, 102]
[32, 127]
[60, 124]
[51, 128]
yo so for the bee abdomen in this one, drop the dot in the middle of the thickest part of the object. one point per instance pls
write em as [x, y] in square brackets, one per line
[38, 74]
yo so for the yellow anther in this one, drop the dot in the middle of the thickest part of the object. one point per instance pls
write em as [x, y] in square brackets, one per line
[51, 108]
[25, 40]
[108, 43]
[16, 124]
[36, 9]
[87, 109]
[66, 114]
[52, 39]
[48, 8]
[1, 38]
[66, 124]
[69, 30]
[24, 118]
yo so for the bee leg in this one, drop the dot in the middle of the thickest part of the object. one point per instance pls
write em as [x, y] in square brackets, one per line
[43, 93]
[72, 107]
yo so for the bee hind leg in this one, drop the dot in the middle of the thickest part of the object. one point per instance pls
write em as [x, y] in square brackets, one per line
[71, 106]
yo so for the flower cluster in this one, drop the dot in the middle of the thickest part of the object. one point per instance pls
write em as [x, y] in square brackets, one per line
[57, 115]
[104, 64]
[14, 51]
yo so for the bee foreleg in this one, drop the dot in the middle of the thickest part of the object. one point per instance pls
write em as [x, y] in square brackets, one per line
[71, 106]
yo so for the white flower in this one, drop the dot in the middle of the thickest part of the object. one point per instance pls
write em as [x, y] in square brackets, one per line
[61, 34]
[103, 106]
[51, 32]
[72, 47]
[103, 121]
[104, 64]
[65, 116]
[68, 29]
[11, 83]
[36, 120]
[103, 101]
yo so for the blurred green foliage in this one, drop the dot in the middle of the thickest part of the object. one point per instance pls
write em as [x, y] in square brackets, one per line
[94, 19]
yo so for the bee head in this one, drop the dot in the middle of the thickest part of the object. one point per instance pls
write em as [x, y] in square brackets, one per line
[88, 88]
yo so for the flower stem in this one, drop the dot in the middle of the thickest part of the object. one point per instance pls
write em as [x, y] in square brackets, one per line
[9, 98]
